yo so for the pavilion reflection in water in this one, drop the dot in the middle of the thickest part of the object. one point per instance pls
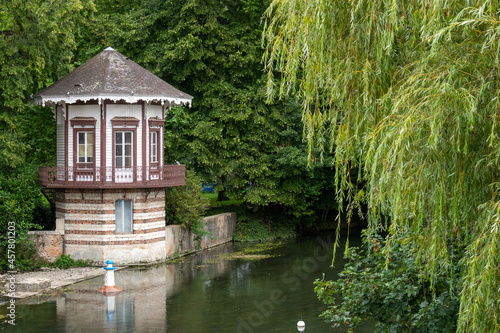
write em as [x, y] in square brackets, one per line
[142, 304]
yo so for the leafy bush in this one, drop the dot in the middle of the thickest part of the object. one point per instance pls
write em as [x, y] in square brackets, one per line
[389, 289]
[183, 204]
[25, 256]
[65, 261]
[19, 194]
[260, 225]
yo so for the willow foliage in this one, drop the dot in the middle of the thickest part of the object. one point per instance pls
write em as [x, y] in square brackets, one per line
[406, 93]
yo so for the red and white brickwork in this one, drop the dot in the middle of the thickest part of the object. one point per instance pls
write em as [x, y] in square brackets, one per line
[89, 216]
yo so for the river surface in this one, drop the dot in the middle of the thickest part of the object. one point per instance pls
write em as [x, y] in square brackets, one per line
[241, 288]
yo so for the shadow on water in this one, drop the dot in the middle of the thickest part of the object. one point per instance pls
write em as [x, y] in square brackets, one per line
[237, 287]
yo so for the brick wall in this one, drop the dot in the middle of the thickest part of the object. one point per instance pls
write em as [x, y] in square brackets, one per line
[90, 228]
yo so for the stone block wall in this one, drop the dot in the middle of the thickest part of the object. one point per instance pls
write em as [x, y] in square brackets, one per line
[220, 228]
[49, 244]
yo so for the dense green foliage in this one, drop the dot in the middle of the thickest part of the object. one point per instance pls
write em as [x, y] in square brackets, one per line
[36, 47]
[209, 49]
[258, 224]
[26, 257]
[395, 293]
[37, 41]
[230, 136]
[407, 94]
[183, 204]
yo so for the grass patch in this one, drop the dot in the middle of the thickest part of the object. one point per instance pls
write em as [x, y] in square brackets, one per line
[251, 252]
[260, 230]
[176, 260]
[212, 199]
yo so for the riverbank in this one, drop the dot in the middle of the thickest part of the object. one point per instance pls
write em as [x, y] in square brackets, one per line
[32, 283]
[266, 286]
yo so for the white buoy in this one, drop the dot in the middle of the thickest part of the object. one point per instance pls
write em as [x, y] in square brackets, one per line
[301, 325]
[109, 287]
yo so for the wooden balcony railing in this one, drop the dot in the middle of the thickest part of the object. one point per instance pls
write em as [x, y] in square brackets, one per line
[135, 177]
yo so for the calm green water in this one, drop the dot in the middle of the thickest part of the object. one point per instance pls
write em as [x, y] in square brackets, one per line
[232, 288]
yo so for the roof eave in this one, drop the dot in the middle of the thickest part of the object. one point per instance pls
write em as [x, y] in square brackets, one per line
[48, 100]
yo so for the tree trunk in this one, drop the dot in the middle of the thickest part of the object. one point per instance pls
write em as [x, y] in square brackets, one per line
[221, 196]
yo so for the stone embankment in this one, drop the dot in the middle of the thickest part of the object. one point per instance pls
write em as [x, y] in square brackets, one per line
[32, 283]
[50, 245]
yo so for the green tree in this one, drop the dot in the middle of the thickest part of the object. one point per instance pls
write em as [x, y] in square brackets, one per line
[37, 41]
[396, 294]
[212, 50]
[209, 49]
[36, 45]
[183, 204]
[406, 94]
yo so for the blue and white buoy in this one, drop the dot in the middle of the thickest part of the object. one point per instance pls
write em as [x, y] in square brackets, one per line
[109, 280]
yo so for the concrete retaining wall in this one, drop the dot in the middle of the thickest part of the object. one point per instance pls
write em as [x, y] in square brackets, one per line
[178, 240]
[220, 227]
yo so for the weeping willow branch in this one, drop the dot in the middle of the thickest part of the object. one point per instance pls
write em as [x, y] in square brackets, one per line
[407, 93]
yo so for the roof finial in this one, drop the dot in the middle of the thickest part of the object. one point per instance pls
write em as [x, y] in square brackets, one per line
[109, 48]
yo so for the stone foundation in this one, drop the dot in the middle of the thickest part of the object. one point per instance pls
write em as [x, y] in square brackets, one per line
[32, 285]
[90, 226]
[120, 254]
[137, 247]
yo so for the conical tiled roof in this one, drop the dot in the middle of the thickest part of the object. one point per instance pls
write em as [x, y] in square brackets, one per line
[111, 75]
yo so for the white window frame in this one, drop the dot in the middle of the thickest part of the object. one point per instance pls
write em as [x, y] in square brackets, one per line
[87, 158]
[123, 156]
[123, 216]
[154, 146]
